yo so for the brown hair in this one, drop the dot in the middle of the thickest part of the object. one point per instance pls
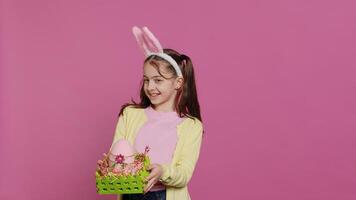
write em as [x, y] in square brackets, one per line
[186, 102]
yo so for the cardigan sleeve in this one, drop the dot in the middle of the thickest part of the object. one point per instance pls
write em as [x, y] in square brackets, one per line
[178, 175]
[120, 129]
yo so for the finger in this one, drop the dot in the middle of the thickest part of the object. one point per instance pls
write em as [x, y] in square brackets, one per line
[148, 189]
[150, 176]
[151, 182]
[149, 185]
[145, 189]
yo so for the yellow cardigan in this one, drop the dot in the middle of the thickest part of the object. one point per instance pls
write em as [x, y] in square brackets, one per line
[176, 174]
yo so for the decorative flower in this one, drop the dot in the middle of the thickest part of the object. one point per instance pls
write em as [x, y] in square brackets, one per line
[139, 158]
[103, 166]
[147, 149]
[119, 159]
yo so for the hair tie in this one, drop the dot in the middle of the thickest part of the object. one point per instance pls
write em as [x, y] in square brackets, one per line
[150, 45]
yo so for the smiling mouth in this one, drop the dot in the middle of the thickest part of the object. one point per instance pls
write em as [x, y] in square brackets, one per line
[154, 95]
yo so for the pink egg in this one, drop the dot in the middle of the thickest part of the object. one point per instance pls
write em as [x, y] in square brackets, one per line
[124, 148]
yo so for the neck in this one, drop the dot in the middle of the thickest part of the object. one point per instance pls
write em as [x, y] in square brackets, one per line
[163, 108]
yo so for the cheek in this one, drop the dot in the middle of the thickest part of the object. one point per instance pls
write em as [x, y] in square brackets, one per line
[163, 88]
[168, 90]
[145, 86]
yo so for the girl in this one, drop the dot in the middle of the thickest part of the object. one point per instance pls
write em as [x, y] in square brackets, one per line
[167, 119]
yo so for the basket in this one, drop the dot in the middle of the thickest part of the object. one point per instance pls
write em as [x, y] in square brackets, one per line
[123, 184]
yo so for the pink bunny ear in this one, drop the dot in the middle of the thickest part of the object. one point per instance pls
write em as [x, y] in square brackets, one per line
[140, 40]
[147, 41]
[152, 42]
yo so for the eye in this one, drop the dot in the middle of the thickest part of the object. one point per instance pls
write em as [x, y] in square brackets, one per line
[158, 80]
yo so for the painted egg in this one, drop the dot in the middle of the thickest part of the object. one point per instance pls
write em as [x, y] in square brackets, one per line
[122, 151]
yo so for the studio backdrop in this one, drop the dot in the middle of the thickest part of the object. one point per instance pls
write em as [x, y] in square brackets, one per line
[275, 79]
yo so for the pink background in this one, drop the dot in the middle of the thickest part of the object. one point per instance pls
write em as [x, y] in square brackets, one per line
[276, 81]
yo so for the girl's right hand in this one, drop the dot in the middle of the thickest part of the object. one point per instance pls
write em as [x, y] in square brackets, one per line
[155, 175]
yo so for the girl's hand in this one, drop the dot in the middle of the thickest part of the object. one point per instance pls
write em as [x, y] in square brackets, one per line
[155, 175]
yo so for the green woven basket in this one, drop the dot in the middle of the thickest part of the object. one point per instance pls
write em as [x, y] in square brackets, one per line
[131, 184]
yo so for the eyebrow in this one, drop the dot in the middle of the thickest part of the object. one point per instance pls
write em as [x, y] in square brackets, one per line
[153, 76]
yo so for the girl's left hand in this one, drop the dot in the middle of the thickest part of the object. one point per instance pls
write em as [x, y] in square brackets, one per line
[155, 175]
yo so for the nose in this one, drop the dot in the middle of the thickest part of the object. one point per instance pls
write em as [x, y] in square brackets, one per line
[150, 85]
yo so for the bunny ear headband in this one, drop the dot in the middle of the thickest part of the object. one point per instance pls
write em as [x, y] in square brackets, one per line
[150, 45]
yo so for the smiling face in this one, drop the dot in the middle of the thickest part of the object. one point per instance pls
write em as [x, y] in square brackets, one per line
[162, 88]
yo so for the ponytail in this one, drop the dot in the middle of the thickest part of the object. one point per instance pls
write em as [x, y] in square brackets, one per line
[188, 103]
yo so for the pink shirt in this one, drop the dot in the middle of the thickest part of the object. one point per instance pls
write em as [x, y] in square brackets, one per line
[160, 134]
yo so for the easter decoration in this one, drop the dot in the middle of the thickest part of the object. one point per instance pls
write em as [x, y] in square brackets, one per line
[123, 170]
[150, 45]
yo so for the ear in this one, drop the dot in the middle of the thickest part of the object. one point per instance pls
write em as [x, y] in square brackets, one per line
[179, 83]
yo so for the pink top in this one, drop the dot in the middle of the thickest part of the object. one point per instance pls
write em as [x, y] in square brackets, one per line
[160, 134]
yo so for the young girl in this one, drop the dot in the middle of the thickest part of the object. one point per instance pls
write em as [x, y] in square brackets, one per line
[167, 119]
